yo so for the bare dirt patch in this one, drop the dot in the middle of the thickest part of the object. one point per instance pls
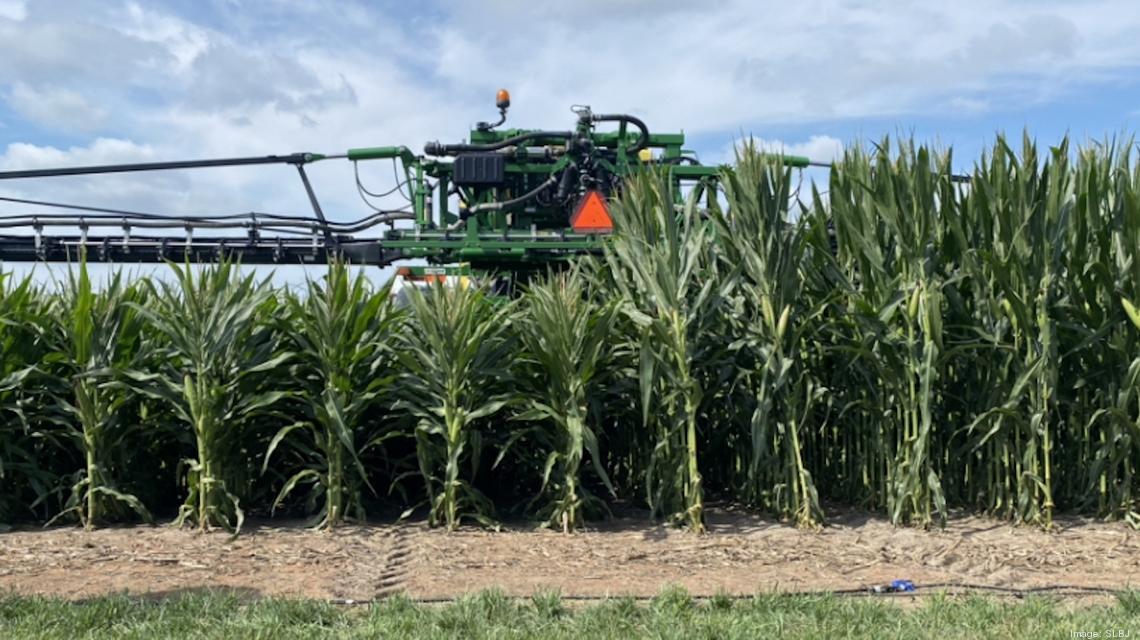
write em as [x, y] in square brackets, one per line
[742, 554]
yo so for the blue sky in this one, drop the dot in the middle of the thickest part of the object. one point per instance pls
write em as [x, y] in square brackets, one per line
[91, 81]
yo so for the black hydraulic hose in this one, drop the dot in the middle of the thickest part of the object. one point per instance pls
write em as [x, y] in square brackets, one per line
[294, 158]
[15, 222]
[437, 149]
[383, 218]
[78, 207]
[569, 175]
[533, 193]
[97, 213]
[642, 140]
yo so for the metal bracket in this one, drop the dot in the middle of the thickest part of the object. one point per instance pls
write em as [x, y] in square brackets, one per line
[315, 203]
[38, 228]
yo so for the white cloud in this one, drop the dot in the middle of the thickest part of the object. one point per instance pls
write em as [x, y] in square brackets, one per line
[148, 192]
[183, 39]
[968, 106]
[818, 148]
[53, 47]
[718, 67]
[289, 75]
[13, 9]
[58, 108]
[102, 151]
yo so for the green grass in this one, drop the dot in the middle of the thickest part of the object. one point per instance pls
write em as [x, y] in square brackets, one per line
[673, 614]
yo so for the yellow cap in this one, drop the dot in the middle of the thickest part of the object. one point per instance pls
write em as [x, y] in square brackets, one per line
[645, 155]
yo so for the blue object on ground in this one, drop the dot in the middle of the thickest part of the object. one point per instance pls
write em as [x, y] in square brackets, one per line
[902, 585]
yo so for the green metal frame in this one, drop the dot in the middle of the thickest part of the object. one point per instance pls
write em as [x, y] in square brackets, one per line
[523, 237]
[510, 218]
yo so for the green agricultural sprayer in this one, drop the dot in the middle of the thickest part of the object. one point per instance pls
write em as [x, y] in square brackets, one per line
[523, 199]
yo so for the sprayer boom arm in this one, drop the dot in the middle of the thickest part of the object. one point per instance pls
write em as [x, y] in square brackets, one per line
[297, 159]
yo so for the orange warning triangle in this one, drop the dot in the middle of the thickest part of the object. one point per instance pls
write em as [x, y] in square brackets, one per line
[591, 215]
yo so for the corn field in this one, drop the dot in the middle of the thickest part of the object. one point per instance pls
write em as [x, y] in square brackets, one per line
[895, 340]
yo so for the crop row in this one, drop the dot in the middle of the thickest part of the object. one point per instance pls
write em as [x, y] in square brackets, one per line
[897, 339]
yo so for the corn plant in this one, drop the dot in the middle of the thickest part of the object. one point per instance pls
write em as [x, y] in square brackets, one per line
[454, 356]
[898, 341]
[93, 335]
[624, 445]
[567, 338]
[1024, 204]
[27, 439]
[662, 266]
[218, 346]
[886, 215]
[772, 323]
[1102, 298]
[340, 331]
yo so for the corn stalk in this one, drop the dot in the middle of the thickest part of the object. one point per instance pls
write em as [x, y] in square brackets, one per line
[888, 229]
[662, 266]
[567, 338]
[454, 353]
[772, 324]
[340, 332]
[218, 348]
[27, 440]
[94, 336]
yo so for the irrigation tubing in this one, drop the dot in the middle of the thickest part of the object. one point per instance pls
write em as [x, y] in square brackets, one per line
[926, 590]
